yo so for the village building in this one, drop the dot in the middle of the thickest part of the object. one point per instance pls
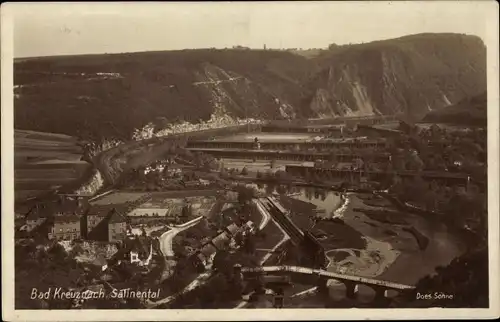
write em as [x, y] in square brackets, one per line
[206, 253]
[59, 219]
[36, 216]
[117, 226]
[232, 229]
[221, 241]
[138, 250]
[104, 224]
[64, 227]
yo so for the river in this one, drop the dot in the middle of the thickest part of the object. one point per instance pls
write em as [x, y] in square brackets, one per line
[390, 252]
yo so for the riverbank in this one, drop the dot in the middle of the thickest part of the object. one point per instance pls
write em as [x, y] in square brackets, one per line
[392, 251]
[368, 253]
[384, 242]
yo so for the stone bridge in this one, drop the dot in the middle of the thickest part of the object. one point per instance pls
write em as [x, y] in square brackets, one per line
[320, 278]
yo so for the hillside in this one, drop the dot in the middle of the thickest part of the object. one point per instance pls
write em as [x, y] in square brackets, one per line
[96, 96]
[46, 161]
[111, 95]
[470, 111]
[413, 75]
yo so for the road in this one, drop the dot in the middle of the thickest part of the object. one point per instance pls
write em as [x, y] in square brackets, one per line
[262, 206]
[280, 215]
[266, 217]
[166, 244]
[217, 82]
[200, 280]
[166, 239]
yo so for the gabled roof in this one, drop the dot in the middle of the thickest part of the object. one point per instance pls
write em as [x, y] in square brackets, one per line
[116, 217]
[220, 240]
[208, 250]
[40, 210]
[99, 211]
[233, 228]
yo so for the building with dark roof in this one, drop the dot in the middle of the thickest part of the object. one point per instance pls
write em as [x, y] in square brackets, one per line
[208, 250]
[221, 241]
[117, 226]
[37, 215]
[232, 229]
[64, 227]
[59, 218]
[104, 224]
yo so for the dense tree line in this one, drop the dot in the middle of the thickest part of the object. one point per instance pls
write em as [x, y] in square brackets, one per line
[465, 279]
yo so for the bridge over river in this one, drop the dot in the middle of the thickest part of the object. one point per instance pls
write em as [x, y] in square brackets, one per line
[315, 276]
[380, 289]
[348, 279]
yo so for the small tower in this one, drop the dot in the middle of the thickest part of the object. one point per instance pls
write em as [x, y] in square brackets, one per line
[265, 47]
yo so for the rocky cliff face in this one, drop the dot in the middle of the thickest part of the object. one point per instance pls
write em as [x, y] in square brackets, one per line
[111, 95]
[92, 185]
[412, 75]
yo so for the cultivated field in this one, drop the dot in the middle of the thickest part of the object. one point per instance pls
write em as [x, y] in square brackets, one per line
[117, 198]
[169, 207]
[45, 161]
[158, 196]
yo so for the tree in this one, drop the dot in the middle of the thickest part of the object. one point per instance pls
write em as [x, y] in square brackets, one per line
[249, 244]
[223, 263]
[186, 211]
[244, 171]
[245, 194]
[270, 187]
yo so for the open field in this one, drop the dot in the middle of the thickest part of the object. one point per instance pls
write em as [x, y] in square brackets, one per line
[27, 134]
[390, 125]
[45, 174]
[51, 164]
[25, 194]
[158, 196]
[163, 204]
[45, 161]
[42, 186]
[116, 198]
[169, 207]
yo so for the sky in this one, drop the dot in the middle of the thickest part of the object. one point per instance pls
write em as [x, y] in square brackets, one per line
[71, 29]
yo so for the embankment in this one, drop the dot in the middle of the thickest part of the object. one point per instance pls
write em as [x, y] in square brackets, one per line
[110, 162]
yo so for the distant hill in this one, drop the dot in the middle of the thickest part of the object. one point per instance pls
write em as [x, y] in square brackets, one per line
[470, 111]
[111, 95]
[97, 96]
[308, 53]
[412, 75]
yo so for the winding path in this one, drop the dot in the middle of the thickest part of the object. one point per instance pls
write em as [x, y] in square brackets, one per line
[166, 239]
[266, 217]
[200, 280]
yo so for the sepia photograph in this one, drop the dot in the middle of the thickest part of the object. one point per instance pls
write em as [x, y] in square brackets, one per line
[178, 160]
